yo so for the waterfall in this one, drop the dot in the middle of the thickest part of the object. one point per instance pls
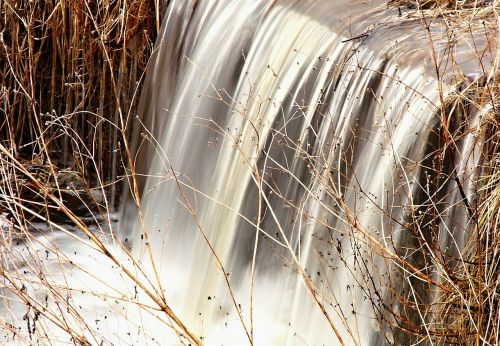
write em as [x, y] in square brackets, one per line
[283, 151]
[262, 107]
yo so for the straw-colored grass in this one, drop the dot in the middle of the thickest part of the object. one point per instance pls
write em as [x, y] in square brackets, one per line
[71, 65]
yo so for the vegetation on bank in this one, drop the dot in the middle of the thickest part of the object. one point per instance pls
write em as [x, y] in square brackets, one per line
[69, 74]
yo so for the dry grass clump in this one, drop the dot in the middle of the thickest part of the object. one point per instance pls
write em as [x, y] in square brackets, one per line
[69, 70]
[444, 4]
[468, 311]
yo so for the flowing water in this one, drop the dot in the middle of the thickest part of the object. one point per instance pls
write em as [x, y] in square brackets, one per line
[285, 144]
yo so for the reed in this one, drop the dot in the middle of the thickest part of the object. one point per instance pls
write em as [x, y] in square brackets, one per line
[71, 67]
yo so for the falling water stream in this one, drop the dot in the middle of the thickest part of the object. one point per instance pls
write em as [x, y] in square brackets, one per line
[278, 142]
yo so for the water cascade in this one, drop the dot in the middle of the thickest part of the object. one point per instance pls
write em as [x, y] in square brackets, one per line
[285, 161]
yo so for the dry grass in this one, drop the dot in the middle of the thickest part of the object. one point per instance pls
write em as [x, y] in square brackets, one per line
[442, 4]
[70, 68]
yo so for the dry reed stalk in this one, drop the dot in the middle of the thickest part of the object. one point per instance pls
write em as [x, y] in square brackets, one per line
[58, 62]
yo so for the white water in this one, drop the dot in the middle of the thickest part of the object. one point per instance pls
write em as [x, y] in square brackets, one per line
[240, 87]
